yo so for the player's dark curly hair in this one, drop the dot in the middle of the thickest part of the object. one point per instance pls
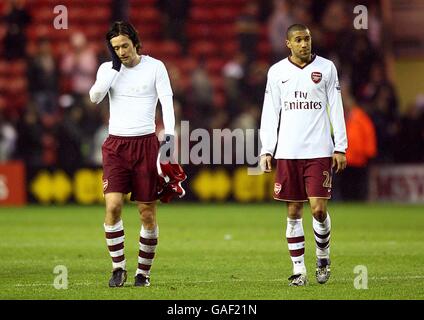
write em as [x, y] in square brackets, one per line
[125, 29]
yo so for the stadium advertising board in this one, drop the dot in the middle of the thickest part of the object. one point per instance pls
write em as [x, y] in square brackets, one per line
[214, 184]
[399, 183]
[12, 183]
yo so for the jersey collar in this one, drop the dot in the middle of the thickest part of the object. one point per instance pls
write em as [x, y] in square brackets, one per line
[313, 56]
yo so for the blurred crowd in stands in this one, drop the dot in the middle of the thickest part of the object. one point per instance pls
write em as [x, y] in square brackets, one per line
[58, 126]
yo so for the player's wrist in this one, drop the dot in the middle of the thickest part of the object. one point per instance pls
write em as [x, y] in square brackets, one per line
[168, 138]
[266, 154]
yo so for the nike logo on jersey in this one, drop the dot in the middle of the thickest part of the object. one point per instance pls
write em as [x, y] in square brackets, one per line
[285, 81]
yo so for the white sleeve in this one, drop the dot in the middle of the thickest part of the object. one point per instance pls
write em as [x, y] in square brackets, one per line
[168, 114]
[335, 103]
[164, 91]
[104, 79]
[270, 117]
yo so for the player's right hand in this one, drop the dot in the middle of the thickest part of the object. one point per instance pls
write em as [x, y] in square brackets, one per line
[116, 62]
[339, 161]
[265, 163]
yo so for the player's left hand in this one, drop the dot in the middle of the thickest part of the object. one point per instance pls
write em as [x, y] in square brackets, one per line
[339, 161]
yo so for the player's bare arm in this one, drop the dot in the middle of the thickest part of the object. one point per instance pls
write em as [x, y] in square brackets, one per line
[339, 161]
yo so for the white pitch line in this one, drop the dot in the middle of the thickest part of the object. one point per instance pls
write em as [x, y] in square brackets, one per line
[220, 281]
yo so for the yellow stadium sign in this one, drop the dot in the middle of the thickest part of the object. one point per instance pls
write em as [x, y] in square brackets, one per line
[84, 186]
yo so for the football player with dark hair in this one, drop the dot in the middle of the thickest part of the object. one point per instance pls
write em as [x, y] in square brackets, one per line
[134, 84]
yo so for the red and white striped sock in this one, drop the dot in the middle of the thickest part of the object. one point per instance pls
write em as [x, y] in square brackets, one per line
[322, 237]
[148, 243]
[115, 242]
[296, 243]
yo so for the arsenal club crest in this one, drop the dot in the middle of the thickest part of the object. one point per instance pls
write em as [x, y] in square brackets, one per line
[277, 188]
[316, 77]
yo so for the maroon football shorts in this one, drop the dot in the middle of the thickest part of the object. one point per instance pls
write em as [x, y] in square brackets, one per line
[129, 165]
[300, 179]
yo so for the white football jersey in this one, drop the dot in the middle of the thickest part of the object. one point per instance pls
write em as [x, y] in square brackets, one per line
[133, 96]
[301, 95]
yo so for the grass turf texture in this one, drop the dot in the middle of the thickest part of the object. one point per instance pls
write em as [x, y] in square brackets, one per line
[212, 252]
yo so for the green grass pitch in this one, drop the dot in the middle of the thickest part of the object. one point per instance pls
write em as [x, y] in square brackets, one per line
[215, 251]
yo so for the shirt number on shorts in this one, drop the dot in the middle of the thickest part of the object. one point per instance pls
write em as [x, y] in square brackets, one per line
[327, 181]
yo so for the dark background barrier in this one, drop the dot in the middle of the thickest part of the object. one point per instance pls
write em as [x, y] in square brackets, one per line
[204, 183]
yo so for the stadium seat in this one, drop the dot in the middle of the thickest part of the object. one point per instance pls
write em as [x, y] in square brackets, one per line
[16, 85]
[214, 65]
[218, 82]
[170, 48]
[203, 49]
[264, 50]
[235, 3]
[219, 99]
[201, 14]
[229, 48]
[167, 49]
[42, 14]
[226, 14]
[78, 3]
[142, 3]
[198, 31]
[3, 68]
[187, 65]
[224, 32]
[17, 67]
[144, 15]
[150, 31]
[3, 81]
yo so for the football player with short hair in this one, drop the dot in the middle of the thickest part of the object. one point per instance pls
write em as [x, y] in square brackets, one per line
[302, 107]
